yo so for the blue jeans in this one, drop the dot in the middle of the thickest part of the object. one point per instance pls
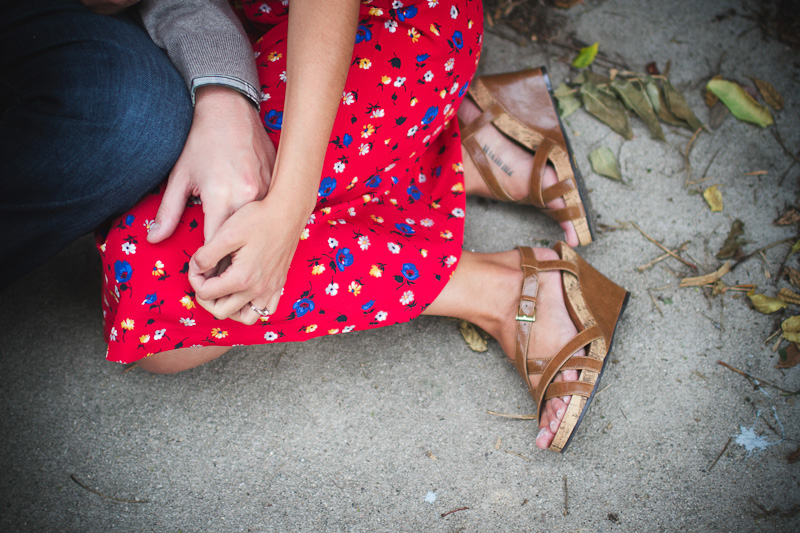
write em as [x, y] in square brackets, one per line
[92, 116]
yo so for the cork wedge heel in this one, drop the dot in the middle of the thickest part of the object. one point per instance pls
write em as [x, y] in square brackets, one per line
[521, 106]
[595, 304]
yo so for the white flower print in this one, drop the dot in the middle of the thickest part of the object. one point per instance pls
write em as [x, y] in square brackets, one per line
[390, 25]
[411, 221]
[433, 3]
[264, 8]
[412, 131]
[270, 336]
[348, 329]
[188, 321]
[380, 316]
[348, 98]
[304, 234]
[428, 76]
[128, 248]
[159, 334]
[454, 88]
[388, 168]
[333, 243]
[313, 218]
[426, 139]
[342, 221]
[397, 4]
[363, 242]
[338, 167]
[378, 112]
[447, 109]
[448, 66]
[363, 149]
[112, 336]
[453, 12]
[283, 76]
[437, 131]
[332, 289]
[407, 297]
[457, 212]
[450, 261]
[399, 81]
[265, 96]
[394, 247]
[422, 178]
[426, 222]
[351, 211]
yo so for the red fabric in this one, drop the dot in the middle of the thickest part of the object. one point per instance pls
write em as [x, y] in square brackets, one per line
[386, 233]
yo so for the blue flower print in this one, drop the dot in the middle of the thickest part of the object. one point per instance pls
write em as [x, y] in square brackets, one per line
[273, 120]
[129, 220]
[422, 57]
[463, 89]
[406, 13]
[405, 229]
[347, 139]
[394, 180]
[410, 271]
[151, 298]
[326, 186]
[123, 271]
[303, 306]
[373, 182]
[343, 259]
[363, 34]
[437, 171]
[430, 114]
[458, 40]
[367, 306]
[413, 192]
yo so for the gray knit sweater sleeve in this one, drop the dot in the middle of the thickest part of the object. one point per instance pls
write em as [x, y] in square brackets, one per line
[203, 38]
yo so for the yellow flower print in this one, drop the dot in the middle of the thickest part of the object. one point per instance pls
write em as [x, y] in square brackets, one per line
[364, 63]
[103, 247]
[333, 331]
[144, 339]
[326, 210]
[446, 235]
[458, 167]
[458, 187]
[414, 34]
[352, 183]
[442, 93]
[312, 328]
[413, 101]
[187, 302]
[263, 318]
[317, 270]
[366, 198]
[375, 11]
[354, 288]
[367, 130]
[127, 324]
[423, 252]
[304, 234]
[274, 56]
[434, 30]
[158, 269]
[377, 219]
[386, 80]
[217, 333]
[434, 205]
[376, 271]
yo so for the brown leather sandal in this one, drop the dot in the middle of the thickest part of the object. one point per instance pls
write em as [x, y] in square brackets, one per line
[521, 105]
[595, 304]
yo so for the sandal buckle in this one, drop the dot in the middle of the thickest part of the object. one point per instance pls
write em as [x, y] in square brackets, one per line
[524, 317]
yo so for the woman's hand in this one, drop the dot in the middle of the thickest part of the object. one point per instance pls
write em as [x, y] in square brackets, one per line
[247, 259]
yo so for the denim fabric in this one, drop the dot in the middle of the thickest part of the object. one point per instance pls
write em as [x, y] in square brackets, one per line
[92, 116]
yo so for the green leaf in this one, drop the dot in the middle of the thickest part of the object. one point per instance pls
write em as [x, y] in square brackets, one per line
[795, 247]
[791, 329]
[679, 107]
[652, 93]
[586, 56]
[567, 99]
[587, 76]
[607, 108]
[740, 103]
[765, 304]
[662, 109]
[635, 98]
[605, 164]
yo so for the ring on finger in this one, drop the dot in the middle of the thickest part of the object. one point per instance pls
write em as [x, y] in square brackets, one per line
[262, 312]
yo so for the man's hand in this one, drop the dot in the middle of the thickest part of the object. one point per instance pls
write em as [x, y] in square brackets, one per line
[227, 162]
[108, 7]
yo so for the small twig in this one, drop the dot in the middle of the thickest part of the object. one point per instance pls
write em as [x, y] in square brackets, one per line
[517, 417]
[710, 161]
[686, 152]
[670, 252]
[72, 476]
[566, 497]
[518, 455]
[720, 454]
[783, 264]
[454, 511]
[655, 304]
[777, 332]
[788, 152]
[129, 368]
[759, 380]
[661, 257]
[764, 248]
[603, 389]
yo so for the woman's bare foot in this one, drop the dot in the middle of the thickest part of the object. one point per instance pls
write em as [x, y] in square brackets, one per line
[511, 164]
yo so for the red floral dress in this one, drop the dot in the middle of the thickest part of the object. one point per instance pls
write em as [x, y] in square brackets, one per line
[387, 229]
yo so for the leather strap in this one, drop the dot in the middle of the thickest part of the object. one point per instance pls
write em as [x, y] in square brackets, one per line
[565, 214]
[537, 173]
[568, 388]
[577, 362]
[557, 190]
[527, 306]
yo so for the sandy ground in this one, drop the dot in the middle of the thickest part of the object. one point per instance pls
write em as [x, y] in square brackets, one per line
[388, 430]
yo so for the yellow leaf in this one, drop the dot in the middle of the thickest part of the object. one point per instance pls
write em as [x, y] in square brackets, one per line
[713, 277]
[474, 339]
[765, 304]
[791, 329]
[586, 56]
[714, 198]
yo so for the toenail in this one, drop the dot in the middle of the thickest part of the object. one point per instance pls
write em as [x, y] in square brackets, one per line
[554, 426]
[541, 434]
[559, 414]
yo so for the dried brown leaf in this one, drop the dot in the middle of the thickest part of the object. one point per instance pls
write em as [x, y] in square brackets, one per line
[699, 281]
[607, 108]
[679, 107]
[791, 216]
[472, 336]
[765, 304]
[788, 296]
[794, 276]
[732, 241]
[711, 98]
[789, 357]
[794, 456]
[635, 98]
[566, 4]
[652, 68]
[717, 115]
[769, 93]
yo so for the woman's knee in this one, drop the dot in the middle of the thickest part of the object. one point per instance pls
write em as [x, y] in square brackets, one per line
[176, 361]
